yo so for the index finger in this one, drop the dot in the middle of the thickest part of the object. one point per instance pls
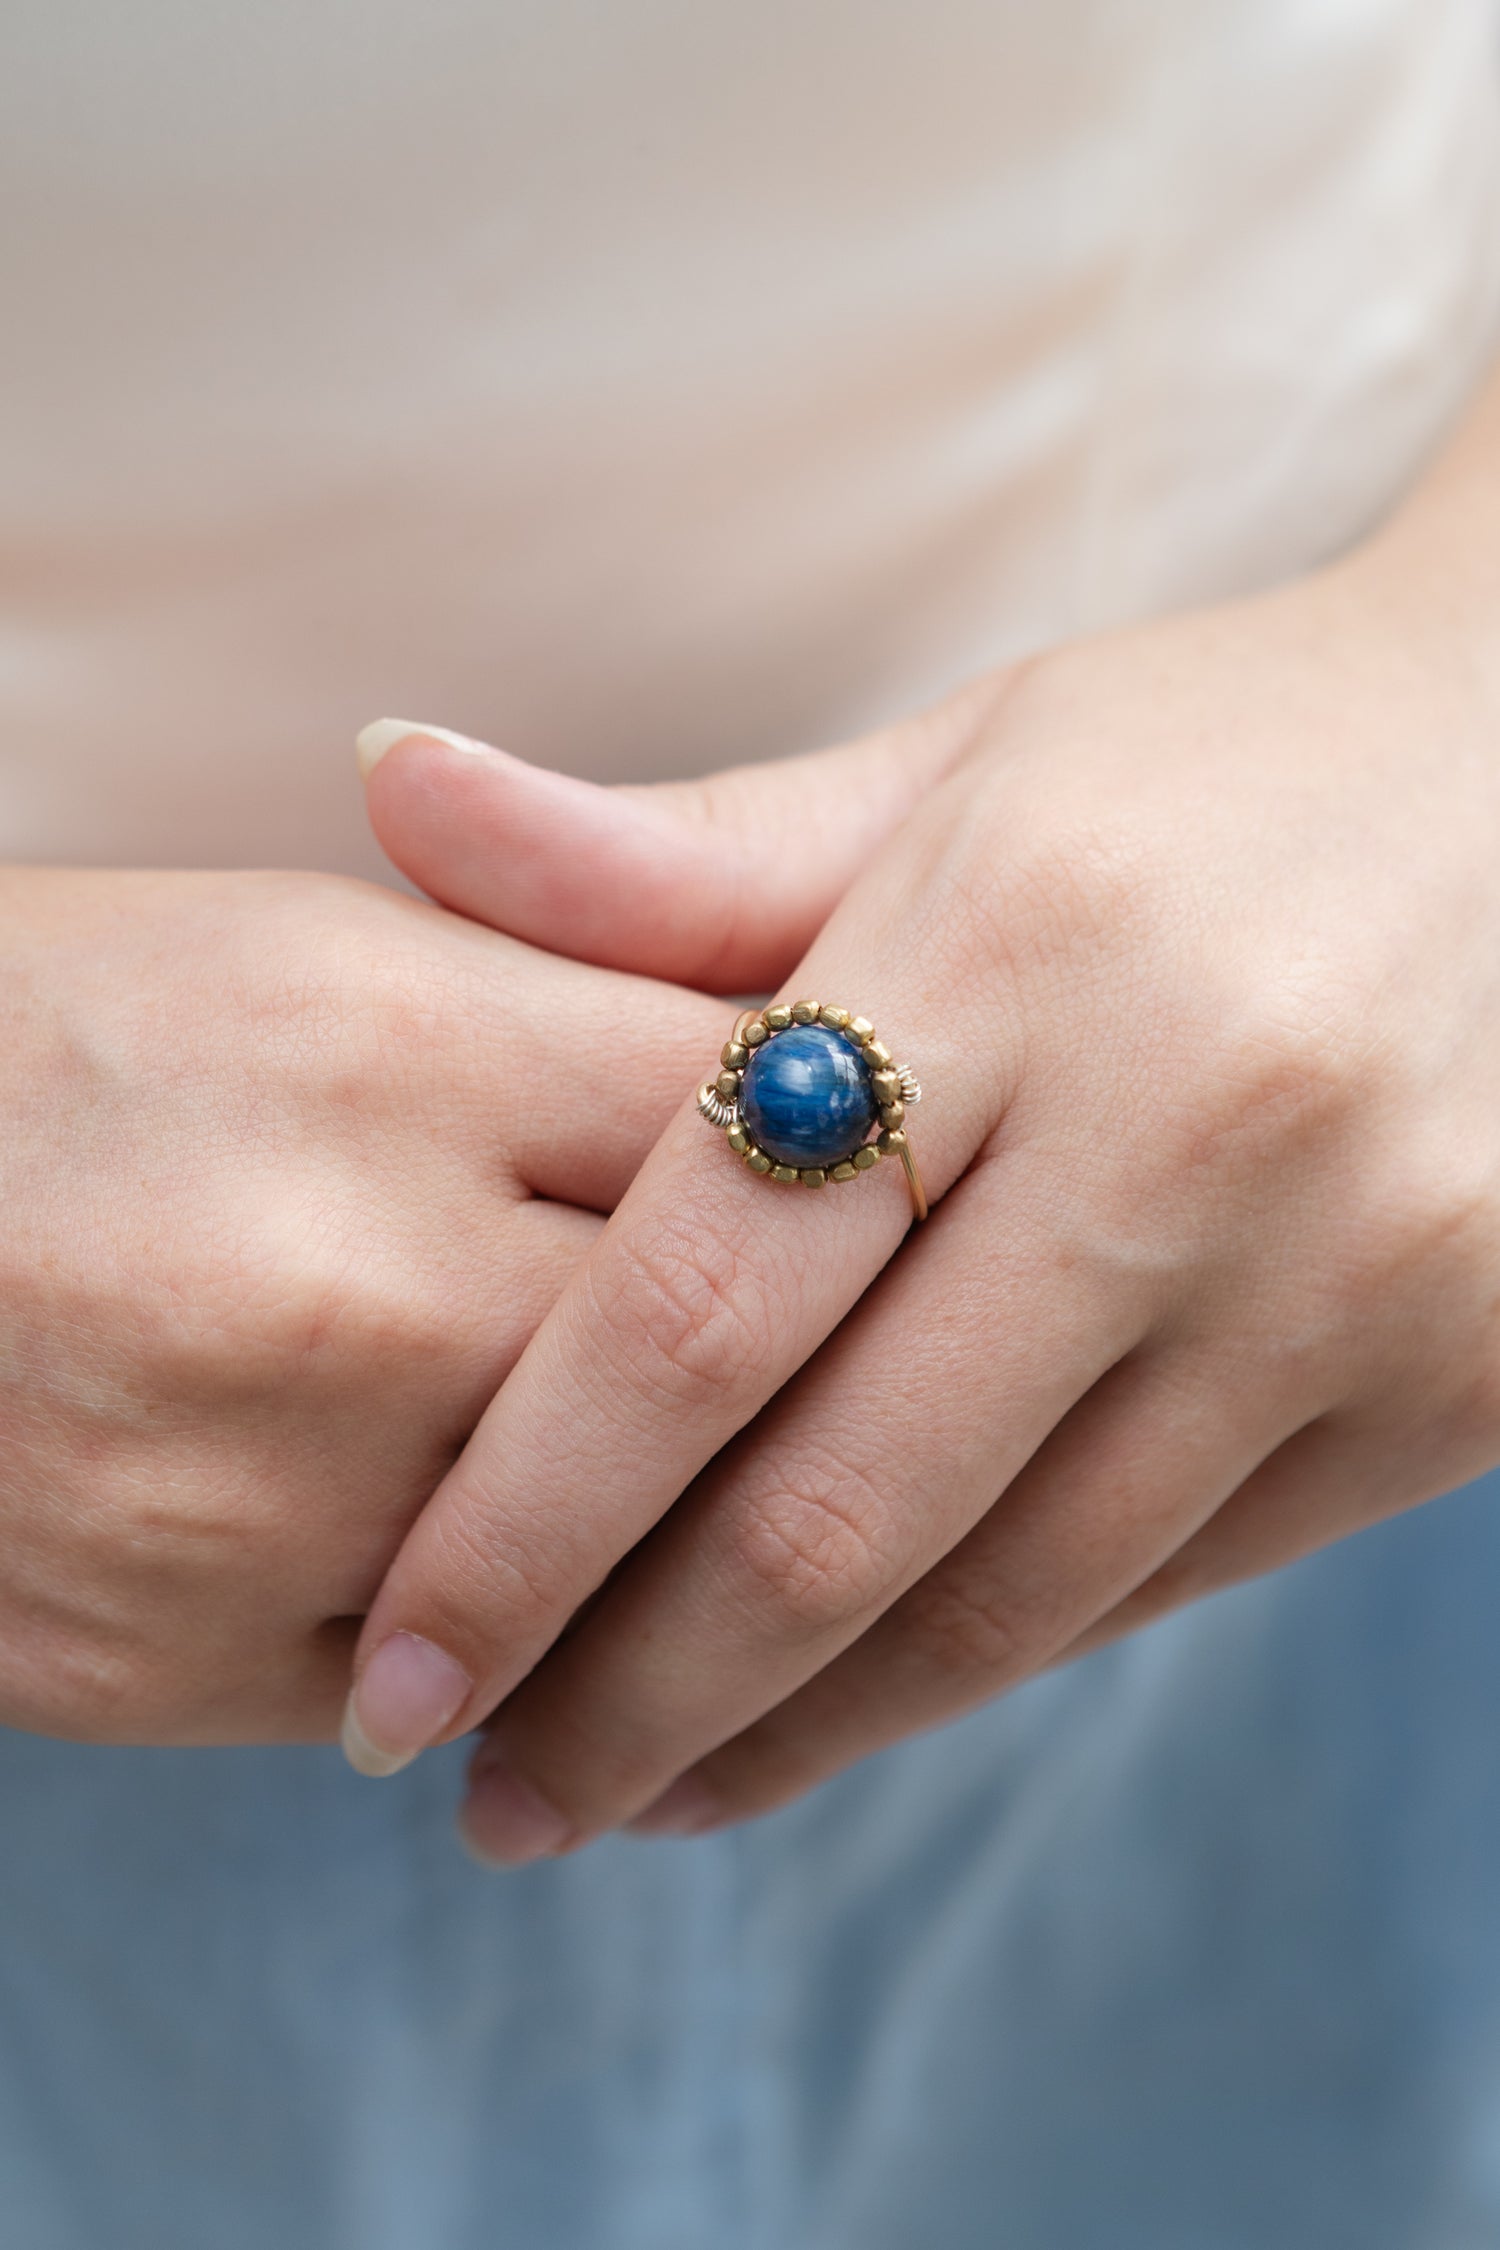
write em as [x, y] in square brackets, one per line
[707, 1290]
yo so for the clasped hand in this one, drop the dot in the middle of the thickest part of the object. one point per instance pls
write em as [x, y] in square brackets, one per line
[1194, 937]
[292, 1168]
[315, 1343]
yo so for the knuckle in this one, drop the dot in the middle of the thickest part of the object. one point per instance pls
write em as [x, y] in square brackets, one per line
[255, 1307]
[1294, 1069]
[685, 1315]
[818, 1549]
[220, 1338]
[482, 1582]
[362, 996]
[74, 1668]
[1442, 1215]
[970, 1633]
[1028, 896]
[171, 1541]
[90, 1694]
[1426, 1249]
[1283, 1078]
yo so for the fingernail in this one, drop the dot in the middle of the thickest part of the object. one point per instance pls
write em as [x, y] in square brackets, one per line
[686, 1809]
[372, 742]
[503, 1821]
[402, 1700]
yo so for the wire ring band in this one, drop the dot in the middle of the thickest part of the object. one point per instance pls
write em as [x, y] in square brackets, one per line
[826, 1105]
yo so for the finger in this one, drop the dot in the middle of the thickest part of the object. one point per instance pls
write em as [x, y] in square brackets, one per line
[1338, 1476]
[573, 1072]
[706, 1292]
[470, 1310]
[705, 882]
[821, 1516]
[1148, 1456]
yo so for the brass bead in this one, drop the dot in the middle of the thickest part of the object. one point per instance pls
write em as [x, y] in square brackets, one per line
[885, 1086]
[878, 1053]
[738, 1139]
[893, 1141]
[728, 1083]
[804, 1011]
[835, 1018]
[892, 1113]
[844, 1171]
[813, 1176]
[755, 1033]
[757, 1161]
[783, 1171]
[779, 1017]
[734, 1056]
[863, 1158]
[859, 1029]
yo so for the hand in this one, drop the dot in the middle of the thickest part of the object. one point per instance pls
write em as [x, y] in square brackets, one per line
[1194, 938]
[291, 1169]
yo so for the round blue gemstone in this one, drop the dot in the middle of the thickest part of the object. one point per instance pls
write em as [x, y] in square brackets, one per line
[807, 1097]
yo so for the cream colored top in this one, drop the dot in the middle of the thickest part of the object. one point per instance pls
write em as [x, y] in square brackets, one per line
[646, 386]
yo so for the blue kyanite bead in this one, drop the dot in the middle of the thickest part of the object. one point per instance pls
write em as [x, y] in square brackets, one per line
[807, 1097]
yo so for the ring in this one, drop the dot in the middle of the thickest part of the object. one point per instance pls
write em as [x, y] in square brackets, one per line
[809, 1093]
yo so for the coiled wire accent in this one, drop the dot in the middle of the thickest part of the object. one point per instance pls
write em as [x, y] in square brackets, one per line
[715, 1108]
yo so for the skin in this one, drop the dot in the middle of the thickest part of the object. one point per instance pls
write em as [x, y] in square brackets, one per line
[291, 1169]
[1193, 934]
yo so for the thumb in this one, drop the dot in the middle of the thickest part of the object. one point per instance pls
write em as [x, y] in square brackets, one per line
[720, 883]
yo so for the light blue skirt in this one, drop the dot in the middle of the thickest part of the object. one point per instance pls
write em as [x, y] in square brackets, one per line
[1193, 1947]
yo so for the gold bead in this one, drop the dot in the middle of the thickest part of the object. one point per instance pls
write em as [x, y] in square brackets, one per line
[738, 1139]
[878, 1053]
[783, 1171]
[893, 1141]
[728, 1083]
[757, 1161]
[884, 1085]
[863, 1158]
[859, 1029]
[835, 1018]
[779, 1017]
[755, 1033]
[844, 1171]
[892, 1113]
[734, 1056]
[804, 1011]
[814, 1176]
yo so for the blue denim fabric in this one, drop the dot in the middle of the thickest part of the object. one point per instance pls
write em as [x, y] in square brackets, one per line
[1193, 1947]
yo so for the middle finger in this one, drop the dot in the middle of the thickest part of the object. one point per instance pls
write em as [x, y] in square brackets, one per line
[799, 1538]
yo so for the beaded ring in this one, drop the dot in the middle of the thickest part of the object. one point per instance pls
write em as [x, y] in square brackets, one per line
[809, 1093]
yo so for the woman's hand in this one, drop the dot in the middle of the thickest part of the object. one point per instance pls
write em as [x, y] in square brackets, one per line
[1193, 936]
[291, 1169]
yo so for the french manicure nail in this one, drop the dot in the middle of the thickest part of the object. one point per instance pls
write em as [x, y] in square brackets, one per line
[401, 1702]
[503, 1821]
[686, 1809]
[372, 742]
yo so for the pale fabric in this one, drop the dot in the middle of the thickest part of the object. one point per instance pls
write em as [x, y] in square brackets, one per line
[647, 385]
